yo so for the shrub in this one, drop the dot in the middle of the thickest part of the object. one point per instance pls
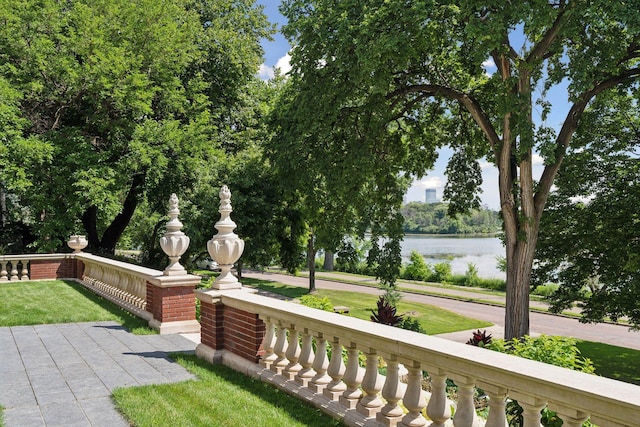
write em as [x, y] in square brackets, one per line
[559, 351]
[471, 275]
[417, 269]
[442, 273]
[480, 338]
[411, 324]
[314, 301]
[385, 313]
[545, 290]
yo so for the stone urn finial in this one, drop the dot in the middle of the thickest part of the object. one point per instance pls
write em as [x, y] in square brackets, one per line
[77, 243]
[225, 247]
[174, 243]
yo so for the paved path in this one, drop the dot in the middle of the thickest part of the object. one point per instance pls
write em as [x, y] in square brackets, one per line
[63, 375]
[540, 323]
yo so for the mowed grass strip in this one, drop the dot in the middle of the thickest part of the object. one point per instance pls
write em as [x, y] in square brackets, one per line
[611, 361]
[60, 301]
[433, 319]
[220, 397]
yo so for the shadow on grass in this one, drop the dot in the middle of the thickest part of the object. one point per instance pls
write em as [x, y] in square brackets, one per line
[277, 288]
[132, 323]
[299, 410]
[610, 361]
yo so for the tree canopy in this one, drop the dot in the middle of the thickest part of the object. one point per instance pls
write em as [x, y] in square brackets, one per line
[117, 102]
[380, 85]
[590, 238]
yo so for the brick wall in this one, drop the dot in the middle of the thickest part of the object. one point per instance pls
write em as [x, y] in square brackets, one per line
[243, 333]
[55, 269]
[171, 304]
[212, 325]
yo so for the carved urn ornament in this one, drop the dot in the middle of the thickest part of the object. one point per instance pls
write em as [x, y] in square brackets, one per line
[77, 243]
[225, 247]
[174, 242]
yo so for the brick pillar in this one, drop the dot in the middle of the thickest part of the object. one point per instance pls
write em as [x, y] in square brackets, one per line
[171, 301]
[212, 324]
[243, 333]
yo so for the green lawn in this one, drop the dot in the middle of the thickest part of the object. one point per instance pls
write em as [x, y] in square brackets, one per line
[434, 320]
[611, 361]
[58, 301]
[220, 397]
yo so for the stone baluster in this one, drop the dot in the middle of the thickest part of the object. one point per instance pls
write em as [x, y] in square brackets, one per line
[531, 407]
[414, 398]
[4, 275]
[306, 360]
[320, 365]
[392, 390]
[570, 417]
[438, 409]
[353, 376]
[465, 415]
[371, 403]
[14, 270]
[293, 354]
[24, 274]
[336, 370]
[280, 350]
[268, 344]
[497, 402]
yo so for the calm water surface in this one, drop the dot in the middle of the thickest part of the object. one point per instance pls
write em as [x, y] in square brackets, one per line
[459, 251]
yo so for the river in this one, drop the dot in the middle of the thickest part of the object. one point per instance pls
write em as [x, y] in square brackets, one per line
[459, 251]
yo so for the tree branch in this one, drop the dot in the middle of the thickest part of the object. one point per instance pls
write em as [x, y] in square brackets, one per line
[540, 49]
[568, 129]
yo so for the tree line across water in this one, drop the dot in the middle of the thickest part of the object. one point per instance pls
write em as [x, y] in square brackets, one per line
[432, 218]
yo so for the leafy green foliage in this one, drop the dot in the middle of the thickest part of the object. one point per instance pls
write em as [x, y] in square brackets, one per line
[418, 268]
[378, 87]
[590, 239]
[432, 218]
[315, 301]
[442, 272]
[124, 101]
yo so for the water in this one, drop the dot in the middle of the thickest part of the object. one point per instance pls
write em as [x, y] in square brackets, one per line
[459, 251]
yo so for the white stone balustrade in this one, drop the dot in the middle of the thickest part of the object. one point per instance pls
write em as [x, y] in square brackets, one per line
[361, 396]
[18, 267]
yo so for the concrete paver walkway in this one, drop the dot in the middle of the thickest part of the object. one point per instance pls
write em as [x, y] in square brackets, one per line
[63, 374]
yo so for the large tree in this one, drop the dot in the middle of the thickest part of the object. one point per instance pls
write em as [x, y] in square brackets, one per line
[129, 96]
[380, 85]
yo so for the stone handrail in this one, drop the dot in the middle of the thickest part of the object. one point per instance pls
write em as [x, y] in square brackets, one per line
[18, 267]
[364, 397]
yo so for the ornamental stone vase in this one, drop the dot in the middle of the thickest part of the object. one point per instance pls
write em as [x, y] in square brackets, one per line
[77, 243]
[225, 247]
[174, 243]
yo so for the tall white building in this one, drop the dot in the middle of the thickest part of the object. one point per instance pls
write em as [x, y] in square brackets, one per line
[430, 195]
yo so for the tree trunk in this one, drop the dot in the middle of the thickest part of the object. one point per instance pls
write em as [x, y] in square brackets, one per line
[328, 260]
[113, 233]
[311, 263]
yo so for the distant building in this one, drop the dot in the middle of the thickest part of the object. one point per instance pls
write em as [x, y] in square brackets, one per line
[430, 195]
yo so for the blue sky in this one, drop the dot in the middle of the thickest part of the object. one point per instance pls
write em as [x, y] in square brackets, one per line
[276, 55]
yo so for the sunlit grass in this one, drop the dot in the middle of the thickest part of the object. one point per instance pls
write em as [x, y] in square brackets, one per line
[610, 361]
[220, 397]
[434, 320]
[58, 301]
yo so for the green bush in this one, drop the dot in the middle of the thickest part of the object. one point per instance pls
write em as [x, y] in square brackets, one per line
[471, 275]
[417, 269]
[314, 301]
[555, 350]
[411, 324]
[545, 290]
[442, 272]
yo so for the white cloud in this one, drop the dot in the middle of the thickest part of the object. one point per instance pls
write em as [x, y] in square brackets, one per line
[265, 72]
[489, 67]
[486, 165]
[284, 64]
[536, 159]
[430, 182]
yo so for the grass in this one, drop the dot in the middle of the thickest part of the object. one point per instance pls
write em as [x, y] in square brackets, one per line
[220, 397]
[610, 361]
[58, 301]
[434, 320]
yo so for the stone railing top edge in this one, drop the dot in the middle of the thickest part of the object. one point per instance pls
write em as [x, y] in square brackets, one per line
[22, 257]
[152, 275]
[527, 377]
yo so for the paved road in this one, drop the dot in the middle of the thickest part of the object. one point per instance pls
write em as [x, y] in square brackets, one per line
[540, 323]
